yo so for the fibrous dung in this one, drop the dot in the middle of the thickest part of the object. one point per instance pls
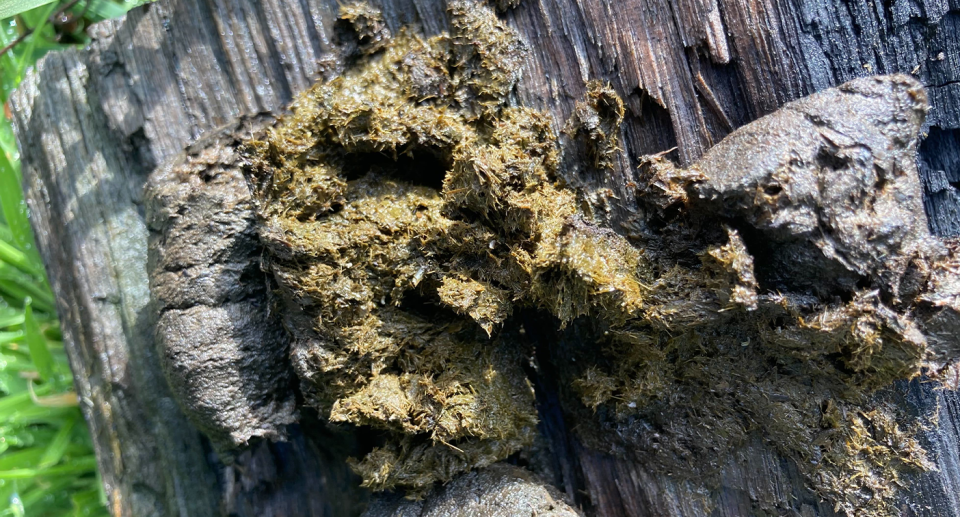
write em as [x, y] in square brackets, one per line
[410, 210]
[406, 208]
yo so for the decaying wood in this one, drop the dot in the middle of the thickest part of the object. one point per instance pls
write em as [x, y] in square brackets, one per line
[93, 123]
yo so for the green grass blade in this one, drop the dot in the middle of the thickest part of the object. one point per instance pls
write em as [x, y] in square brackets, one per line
[11, 363]
[102, 9]
[41, 24]
[16, 508]
[87, 504]
[11, 319]
[76, 466]
[16, 294]
[41, 415]
[11, 404]
[11, 382]
[10, 337]
[5, 234]
[18, 259]
[53, 333]
[17, 230]
[12, 292]
[12, 205]
[28, 456]
[59, 445]
[11, 200]
[8, 61]
[46, 496]
[39, 352]
[32, 286]
[10, 8]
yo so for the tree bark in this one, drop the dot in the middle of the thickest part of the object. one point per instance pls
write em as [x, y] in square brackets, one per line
[93, 123]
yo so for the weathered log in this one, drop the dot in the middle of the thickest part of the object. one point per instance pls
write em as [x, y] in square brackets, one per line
[93, 123]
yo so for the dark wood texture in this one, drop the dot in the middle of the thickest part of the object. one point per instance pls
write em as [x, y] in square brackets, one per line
[93, 123]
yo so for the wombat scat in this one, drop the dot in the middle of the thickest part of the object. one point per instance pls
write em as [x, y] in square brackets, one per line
[497, 491]
[832, 181]
[821, 295]
[408, 211]
[224, 355]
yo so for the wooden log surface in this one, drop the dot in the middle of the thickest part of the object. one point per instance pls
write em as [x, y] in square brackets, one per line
[93, 123]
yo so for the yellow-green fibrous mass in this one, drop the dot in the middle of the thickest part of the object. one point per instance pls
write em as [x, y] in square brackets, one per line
[407, 207]
[598, 117]
[410, 209]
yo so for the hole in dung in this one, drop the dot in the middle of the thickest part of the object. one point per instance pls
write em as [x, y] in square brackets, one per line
[422, 166]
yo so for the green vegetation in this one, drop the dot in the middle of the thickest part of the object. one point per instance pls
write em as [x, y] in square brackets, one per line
[47, 465]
